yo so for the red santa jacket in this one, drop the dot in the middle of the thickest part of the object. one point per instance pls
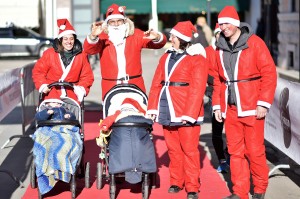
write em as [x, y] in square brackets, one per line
[108, 57]
[49, 68]
[185, 102]
[253, 61]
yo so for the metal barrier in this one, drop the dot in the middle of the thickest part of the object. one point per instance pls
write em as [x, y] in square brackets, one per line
[18, 87]
[282, 122]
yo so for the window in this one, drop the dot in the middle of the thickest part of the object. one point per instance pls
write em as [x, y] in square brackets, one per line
[20, 33]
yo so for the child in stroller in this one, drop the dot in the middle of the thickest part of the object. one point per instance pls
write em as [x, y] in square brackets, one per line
[131, 150]
[58, 143]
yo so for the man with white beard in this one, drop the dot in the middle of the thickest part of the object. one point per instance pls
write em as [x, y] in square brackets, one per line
[119, 46]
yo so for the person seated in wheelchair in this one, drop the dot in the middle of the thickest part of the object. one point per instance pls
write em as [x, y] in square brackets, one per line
[131, 149]
[57, 147]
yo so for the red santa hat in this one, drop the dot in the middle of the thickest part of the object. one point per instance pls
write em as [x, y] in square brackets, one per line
[115, 12]
[64, 28]
[184, 30]
[229, 15]
[217, 29]
[135, 105]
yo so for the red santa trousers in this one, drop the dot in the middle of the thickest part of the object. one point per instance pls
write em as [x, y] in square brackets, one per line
[182, 143]
[245, 141]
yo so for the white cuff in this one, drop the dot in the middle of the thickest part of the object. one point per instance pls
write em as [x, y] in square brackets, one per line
[161, 38]
[92, 41]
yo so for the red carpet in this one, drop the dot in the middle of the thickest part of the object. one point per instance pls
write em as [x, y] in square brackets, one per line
[212, 186]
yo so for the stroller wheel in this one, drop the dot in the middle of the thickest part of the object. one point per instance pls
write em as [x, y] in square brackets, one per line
[145, 186]
[87, 175]
[99, 183]
[73, 187]
[153, 180]
[112, 187]
[32, 175]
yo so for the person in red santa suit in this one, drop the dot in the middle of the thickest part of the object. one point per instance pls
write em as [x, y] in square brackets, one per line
[243, 93]
[176, 102]
[217, 127]
[67, 62]
[119, 46]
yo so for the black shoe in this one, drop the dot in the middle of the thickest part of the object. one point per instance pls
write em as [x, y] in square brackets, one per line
[233, 196]
[192, 195]
[258, 196]
[174, 189]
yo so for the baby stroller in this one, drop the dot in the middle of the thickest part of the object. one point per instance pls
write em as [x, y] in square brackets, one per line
[129, 151]
[68, 137]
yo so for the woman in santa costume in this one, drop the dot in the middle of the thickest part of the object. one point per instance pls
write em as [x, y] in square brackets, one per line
[243, 92]
[176, 102]
[66, 62]
[119, 46]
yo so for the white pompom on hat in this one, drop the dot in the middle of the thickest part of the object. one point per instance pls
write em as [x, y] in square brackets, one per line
[64, 28]
[229, 15]
[185, 30]
[115, 12]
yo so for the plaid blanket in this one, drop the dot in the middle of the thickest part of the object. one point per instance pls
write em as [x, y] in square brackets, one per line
[56, 151]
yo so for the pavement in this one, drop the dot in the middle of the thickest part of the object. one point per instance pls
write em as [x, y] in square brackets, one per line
[16, 157]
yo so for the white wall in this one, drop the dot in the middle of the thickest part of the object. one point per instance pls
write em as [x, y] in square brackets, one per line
[23, 13]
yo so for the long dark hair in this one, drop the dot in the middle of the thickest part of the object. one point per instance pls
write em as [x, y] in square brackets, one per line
[183, 44]
[58, 44]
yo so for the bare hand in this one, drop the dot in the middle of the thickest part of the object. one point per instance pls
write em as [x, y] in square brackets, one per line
[261, 112]
[218, 115]
[151, 34]
[183, 121]
[96, 28]
[67, 116]
[46, 90]
[50, 112]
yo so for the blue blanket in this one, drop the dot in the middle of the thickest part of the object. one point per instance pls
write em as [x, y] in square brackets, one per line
[56, 150]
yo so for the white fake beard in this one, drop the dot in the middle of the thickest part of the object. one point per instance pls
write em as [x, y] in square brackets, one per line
[116, 34]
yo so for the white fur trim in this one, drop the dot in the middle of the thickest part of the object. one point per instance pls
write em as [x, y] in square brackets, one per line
[181, 36]
[196, 49]
[67, 32]
[232, 21]
[114, 16]
[92, 41]
[188, 118]
[80, 92]
[216, 107]
[264, 104]
[161, 38]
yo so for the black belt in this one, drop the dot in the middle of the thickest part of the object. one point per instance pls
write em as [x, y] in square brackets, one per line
[243, 80]
[174, 83]
[123, 78]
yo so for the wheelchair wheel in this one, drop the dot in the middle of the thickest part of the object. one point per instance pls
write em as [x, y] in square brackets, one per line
[145, 186]
[32, 175]
[87, 175]
[73, 187]
[99, 183]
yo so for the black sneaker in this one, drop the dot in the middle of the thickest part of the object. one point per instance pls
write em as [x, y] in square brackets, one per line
[233, 196]
[192, 195]
[174, 189]
[258, 196]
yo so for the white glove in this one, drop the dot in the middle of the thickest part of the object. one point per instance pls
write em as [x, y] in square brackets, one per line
[80, 92]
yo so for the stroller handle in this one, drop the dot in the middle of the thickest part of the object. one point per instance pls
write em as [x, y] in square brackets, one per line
[66, 84]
